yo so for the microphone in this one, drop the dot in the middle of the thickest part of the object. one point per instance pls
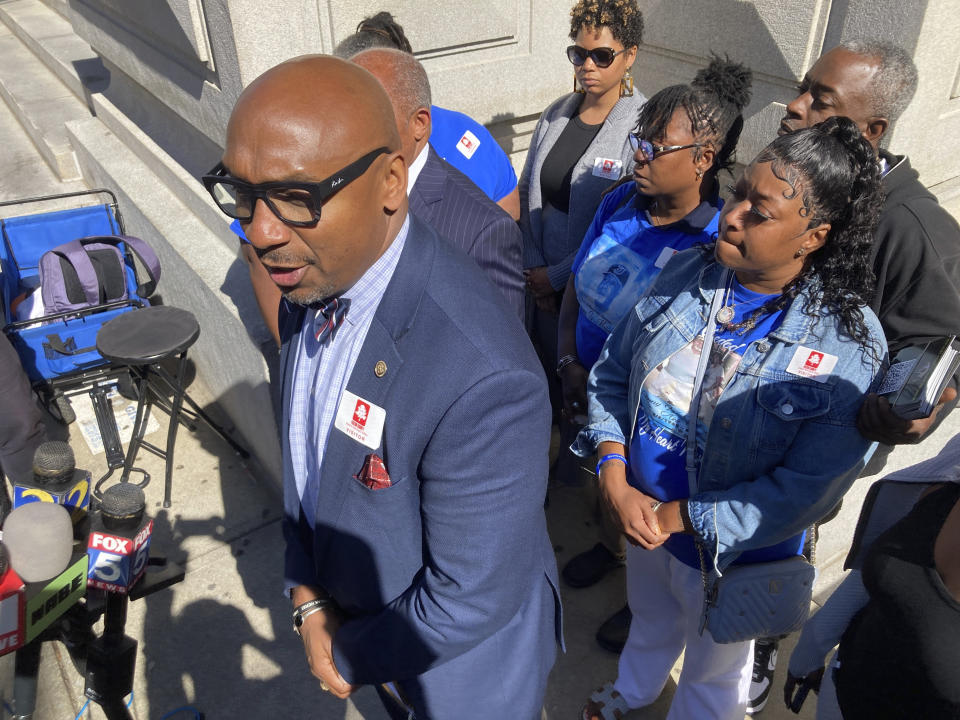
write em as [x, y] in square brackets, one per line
[119, 543]
[12, 600]
[39, 537]
[55, 480]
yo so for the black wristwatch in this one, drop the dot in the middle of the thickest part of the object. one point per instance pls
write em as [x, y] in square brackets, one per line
[302, 612]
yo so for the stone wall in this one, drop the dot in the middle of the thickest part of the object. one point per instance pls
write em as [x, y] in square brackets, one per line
[502, 60]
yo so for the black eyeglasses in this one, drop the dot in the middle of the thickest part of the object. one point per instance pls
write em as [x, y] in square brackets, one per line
[651, 151]
[602, 56]
[295, 203]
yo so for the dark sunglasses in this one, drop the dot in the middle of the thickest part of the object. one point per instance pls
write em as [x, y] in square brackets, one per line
[602, 56]
[295, 203]
[651, 151]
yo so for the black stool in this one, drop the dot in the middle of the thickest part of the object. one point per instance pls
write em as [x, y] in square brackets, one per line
[140, 340]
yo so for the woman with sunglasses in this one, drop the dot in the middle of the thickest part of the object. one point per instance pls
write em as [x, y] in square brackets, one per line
[783, 293]
[579, 148]
[669, 204]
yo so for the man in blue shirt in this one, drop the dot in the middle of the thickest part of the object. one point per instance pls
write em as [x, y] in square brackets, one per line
[457, 138]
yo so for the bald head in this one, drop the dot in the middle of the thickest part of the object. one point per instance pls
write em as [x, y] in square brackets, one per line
[320, 131]
[331, 107]
[406, 82]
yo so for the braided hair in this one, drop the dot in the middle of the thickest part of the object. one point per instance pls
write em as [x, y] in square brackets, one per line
[377, 31]
[622, 17]
[713, 102]
[835, 171]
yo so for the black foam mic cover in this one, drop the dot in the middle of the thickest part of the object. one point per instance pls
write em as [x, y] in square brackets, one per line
[53, 462]
[123, 504]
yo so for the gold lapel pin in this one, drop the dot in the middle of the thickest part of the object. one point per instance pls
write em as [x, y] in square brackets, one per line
[380, 369]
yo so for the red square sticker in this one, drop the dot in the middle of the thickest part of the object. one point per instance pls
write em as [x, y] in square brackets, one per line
[813, 360]
[360, 414]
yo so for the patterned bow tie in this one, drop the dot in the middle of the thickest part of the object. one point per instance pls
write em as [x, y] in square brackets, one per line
[330, 314]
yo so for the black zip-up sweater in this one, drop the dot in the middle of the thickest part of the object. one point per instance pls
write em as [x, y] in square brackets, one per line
[916, 260]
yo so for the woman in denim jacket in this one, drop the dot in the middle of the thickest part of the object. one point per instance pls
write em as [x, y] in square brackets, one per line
[795, 350]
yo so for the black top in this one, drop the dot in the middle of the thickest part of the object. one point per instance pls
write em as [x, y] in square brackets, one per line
[916, 259]
[900, 655]
[557, 167]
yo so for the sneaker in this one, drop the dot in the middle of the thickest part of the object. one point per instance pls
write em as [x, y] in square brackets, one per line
[764, 664]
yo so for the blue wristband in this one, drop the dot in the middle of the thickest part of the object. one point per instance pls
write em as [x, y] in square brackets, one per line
[611, 456]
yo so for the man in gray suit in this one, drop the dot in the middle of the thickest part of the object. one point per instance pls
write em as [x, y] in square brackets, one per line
[439, 193]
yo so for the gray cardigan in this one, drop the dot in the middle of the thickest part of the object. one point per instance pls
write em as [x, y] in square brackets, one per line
[585, 187]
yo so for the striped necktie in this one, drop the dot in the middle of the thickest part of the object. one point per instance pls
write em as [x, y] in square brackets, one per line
[330, 314]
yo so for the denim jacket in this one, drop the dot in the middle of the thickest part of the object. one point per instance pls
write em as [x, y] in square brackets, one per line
[781, 449]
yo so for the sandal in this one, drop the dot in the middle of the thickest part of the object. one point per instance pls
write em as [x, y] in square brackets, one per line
[605, 703]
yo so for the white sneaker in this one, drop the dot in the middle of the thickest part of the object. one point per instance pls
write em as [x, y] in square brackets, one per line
[764, 665]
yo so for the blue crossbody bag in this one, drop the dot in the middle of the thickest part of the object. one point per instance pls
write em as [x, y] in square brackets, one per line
[759, 600]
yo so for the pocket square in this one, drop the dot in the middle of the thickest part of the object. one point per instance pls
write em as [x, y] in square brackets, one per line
[374, 473]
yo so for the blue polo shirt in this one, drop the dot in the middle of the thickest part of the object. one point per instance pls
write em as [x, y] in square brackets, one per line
[471, 149]
[622, 252]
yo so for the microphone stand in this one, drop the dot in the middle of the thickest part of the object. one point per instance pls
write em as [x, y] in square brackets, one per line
[109, 660]
[26, 665]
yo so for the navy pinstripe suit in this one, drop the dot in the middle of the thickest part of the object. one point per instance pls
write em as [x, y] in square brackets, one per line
[460, 212]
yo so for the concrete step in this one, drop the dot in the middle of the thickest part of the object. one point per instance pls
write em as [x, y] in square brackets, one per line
[41, 104]
[50, 37]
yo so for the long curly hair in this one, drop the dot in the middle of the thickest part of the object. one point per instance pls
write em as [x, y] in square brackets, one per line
[713, 102]
[623, 17]
[835, 170]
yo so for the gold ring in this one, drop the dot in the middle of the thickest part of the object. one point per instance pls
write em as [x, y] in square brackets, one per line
[324, 686]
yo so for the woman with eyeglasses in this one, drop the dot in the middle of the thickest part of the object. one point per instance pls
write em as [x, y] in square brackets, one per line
[685, 136]
[578, 149]
[774, 443]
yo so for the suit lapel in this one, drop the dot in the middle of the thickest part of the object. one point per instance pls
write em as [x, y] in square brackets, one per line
[344, 456]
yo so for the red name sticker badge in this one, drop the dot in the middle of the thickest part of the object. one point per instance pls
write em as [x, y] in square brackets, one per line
[468, 144]
[607, 168]
[813, 364]
[360, 419]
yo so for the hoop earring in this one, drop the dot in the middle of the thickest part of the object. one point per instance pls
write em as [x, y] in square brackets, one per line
[576, 86]
[626, 84]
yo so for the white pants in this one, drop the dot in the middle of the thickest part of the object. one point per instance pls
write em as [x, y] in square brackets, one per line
[666, 599]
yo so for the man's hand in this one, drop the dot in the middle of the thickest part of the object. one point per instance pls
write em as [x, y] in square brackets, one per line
[538, 282]
[317, 633]
[573, 381]
[632, 510]
[878, 422]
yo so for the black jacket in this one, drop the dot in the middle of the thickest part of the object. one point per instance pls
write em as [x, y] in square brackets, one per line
[916, 260]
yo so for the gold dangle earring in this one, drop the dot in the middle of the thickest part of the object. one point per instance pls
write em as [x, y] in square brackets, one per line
[576, 85]
[626, 84]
